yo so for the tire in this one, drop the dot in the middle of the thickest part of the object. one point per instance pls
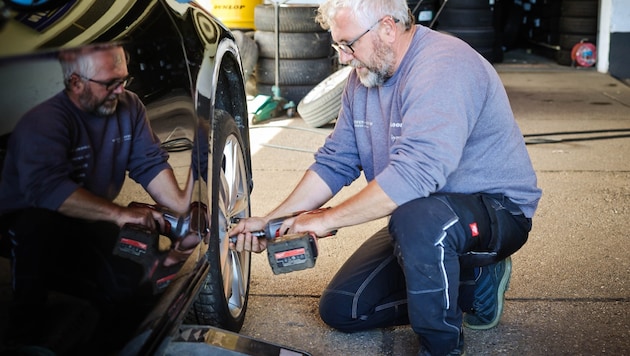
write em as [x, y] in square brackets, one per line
[322, 104]
[294, 45]
[563, 57]
[293, 71]
[230, 199]
[248, 51]
[482, 39]
[578, 25]
[293, 93]
[292, 18]
[466, 17]
[580, 8]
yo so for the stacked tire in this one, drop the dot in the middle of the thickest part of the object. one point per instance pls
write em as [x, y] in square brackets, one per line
[304, 52]
[578, 23]
[473, 22]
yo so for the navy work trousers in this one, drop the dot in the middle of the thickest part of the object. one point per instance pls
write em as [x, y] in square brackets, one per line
[410, 272]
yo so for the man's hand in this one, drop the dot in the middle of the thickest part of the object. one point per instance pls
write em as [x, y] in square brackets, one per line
[242, 231]
[140, 215]
[310, 221]
[83, 204]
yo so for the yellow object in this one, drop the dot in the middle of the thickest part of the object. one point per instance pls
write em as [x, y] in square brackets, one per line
[235, 14]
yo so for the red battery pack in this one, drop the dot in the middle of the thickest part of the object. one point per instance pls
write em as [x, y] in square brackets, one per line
[293, 252]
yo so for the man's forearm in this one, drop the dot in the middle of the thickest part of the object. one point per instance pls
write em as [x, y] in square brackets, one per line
[310, 193]
[164, 189]
[369, 204]
[84, 205]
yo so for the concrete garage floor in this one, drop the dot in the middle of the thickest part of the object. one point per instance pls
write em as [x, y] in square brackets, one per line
[570, 288]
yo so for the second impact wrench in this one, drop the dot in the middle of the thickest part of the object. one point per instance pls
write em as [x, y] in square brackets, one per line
[289, 252]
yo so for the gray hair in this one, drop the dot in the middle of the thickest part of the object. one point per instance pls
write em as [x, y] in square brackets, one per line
[366, 12]
[78, 60]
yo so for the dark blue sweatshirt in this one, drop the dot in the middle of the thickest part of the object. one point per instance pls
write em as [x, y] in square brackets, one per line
[57, 148]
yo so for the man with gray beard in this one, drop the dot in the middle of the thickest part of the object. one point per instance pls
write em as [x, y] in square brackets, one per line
[66, 162]
[428, 122]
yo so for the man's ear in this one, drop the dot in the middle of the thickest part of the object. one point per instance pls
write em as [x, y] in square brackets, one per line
[75, 83]
[389, 28]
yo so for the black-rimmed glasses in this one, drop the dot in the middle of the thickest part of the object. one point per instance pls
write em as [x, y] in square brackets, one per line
[112, 84]
[347, 47]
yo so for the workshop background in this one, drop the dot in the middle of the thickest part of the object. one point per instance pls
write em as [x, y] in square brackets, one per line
[584, 33]
[564, 66]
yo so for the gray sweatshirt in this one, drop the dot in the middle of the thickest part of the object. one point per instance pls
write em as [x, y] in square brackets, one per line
[442, 123]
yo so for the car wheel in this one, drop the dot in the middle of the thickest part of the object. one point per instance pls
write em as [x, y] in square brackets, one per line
[222, 300]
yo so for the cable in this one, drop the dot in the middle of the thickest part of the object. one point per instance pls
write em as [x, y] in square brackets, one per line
[575, 132]
[540, 137]
[317, 131]
[177, 145]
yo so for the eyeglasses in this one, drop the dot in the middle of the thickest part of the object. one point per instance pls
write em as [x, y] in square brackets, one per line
[112, 84]
[347, 47]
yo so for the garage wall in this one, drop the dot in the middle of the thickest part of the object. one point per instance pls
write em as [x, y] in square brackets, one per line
[30, 85]
[614, 38]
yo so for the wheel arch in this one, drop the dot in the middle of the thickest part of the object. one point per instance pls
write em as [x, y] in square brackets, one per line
[225, 90]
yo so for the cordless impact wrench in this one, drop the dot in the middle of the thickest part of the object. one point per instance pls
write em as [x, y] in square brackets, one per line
[290, 252]
[140, 244]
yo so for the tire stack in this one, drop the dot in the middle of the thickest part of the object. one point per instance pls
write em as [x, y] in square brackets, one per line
[305, 54]
[473, 22]
[578, 23]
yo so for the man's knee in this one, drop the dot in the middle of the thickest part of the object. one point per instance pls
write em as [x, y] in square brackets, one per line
[421, 222]
[335, 311]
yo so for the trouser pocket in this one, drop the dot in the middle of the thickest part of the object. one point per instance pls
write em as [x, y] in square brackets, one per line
[509, 230]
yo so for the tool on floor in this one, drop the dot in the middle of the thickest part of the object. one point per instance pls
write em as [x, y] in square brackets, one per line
[289, 252]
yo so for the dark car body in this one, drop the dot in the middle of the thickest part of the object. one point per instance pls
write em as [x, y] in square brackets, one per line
[187, 71]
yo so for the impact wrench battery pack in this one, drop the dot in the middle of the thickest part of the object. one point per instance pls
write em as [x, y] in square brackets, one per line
[141, 245]
[292, 252]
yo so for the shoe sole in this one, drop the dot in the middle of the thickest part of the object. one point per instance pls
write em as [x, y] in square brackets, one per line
[504, 284]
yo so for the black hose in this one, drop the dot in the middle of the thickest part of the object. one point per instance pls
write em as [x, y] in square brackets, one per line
[542, 139]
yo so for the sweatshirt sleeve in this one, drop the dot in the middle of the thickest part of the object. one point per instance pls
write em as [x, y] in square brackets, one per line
[337, 162]
[147, 157]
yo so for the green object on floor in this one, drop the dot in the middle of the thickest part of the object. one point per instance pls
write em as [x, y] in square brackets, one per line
[267, 107]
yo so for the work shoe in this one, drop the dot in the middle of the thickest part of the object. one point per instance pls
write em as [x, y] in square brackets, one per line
[491, 283]
[458, 351]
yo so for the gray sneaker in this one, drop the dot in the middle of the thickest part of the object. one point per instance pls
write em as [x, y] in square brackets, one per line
[491, 284]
